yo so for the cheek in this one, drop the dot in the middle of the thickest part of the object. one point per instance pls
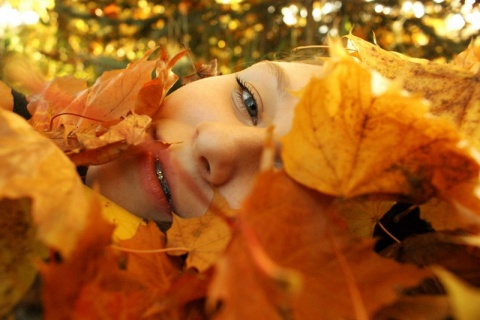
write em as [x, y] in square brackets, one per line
[284, 118]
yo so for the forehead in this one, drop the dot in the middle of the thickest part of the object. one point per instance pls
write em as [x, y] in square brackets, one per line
[287, 74]
[298, 67]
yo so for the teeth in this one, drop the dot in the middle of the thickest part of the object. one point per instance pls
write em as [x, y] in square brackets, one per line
[163, 181]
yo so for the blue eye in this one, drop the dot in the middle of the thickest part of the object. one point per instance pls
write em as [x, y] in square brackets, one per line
[247, 99]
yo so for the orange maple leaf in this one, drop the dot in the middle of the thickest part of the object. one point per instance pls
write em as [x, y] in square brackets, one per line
[92, 283]
[342, 277]
[84, 119]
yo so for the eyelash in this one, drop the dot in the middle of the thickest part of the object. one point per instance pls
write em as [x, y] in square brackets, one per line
[244, 87]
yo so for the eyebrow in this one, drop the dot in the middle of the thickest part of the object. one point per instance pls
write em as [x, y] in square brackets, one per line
[280, 75]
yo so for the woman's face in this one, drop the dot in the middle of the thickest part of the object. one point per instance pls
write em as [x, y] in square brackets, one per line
[216, 127]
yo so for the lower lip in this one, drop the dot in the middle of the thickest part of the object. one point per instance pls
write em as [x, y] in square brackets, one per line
[152, 187]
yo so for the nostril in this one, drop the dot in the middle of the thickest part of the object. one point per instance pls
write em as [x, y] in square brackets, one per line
[205, 164]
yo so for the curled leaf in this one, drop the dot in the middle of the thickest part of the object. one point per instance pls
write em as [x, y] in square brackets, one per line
[204, 71]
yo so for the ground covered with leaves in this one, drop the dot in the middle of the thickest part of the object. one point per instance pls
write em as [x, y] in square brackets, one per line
[375, 215]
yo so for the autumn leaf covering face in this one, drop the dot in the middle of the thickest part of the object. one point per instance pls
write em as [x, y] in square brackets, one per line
[304, 244]
[95, 125]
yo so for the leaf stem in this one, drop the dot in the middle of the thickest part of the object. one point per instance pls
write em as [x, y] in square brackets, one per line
[150, 250]
[388, 232]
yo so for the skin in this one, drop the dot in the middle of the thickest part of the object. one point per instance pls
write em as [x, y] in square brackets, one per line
[215, 141]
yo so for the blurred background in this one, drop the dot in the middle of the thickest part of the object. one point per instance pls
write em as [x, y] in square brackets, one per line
[84, 38]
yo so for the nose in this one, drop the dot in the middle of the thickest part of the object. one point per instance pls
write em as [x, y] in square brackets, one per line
[224, 151]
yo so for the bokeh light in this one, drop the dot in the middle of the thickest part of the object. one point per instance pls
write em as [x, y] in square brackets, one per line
[86, 37]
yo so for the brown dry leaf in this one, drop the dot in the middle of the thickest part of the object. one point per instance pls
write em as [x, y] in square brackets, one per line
[204, 238]
[452, 89]
[342, 277]
[362, 215]
[358, 140]
[440, 249]
[203, 71]
[131, 130]
[431, 307]
[441, 215]
[112, 97]
[52, 99]
[153, 92]
[81, 120]
[19, 249]
[31, 166]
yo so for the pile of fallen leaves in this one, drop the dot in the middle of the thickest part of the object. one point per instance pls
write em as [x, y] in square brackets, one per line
[376, 214]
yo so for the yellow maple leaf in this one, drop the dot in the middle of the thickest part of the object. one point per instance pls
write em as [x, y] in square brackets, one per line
[32, 166]
[362, 135]
[453, 89]
[203, 238]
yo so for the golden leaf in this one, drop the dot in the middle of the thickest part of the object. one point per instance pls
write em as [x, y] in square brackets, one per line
[359, 139]
[31, 166]
[205, 237]
[452, 89]
[18, 250]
